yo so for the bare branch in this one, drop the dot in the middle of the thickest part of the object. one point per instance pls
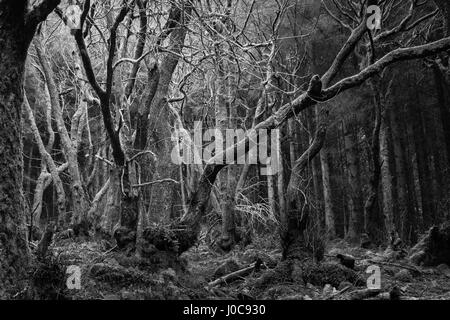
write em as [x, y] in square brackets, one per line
[146, 184]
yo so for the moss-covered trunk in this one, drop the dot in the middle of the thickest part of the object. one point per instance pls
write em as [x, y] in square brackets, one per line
[14, 251]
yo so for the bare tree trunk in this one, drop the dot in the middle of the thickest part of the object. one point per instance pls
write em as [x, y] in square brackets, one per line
[225, 118]
[225, 185]
[296, 243]
[443, 91]
[229, 223]
[422, 166]
[281, 189]
[434, 154]
[327, 196]
[326, 184]
[292, 141]
[47, 158]
[415, 176]
[271, 193]
[42, 183]
[316, 164]
[112, 207]
[80, 202]
[354, 182]
[404, 206]
[372, 219]
[386, 176]
[94, 214]
[242, 178]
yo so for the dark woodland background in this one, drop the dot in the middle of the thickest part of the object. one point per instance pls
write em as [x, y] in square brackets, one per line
[87, 179]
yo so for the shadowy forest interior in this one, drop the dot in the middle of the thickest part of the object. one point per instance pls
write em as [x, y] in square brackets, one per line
[101, 106]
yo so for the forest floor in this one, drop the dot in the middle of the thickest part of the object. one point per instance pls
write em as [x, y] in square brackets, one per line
[110, 275]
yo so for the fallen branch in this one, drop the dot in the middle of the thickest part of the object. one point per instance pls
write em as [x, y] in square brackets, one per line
[236, 274]
[140, 154]
[410, 268]
[155, 182]
[110, 250]
[338, 293]
[104, 160]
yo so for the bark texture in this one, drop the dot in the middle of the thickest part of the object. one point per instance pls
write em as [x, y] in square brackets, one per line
[17, 28]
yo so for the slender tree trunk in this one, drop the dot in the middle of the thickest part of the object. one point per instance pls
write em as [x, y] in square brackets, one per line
[327, 195]
[315, 165]
[443, 91]
[434, 153]
[299, 219]
[386, 176]
[223, 118]
[95, 213]
[354, 183]
[281, 188]
[373, 224]
[42, 183]
[80, 202]
[47, 158]
[271, 199]
[415, 176]
[112, 207]
[326, 185]
[404, 206]
[292, 141]
[422, 166]
[343, 222]
[229, 223]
